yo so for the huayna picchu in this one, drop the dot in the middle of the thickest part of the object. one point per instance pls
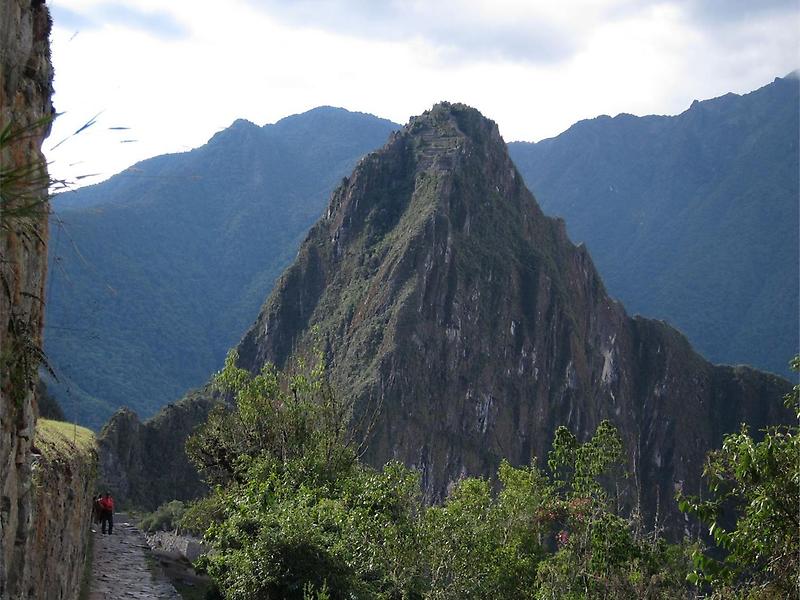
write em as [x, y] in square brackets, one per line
[440, 293]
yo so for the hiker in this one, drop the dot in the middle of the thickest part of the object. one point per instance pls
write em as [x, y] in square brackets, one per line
[97, 509]
[107, 514]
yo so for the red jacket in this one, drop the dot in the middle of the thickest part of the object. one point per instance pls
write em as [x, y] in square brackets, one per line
[107, 504]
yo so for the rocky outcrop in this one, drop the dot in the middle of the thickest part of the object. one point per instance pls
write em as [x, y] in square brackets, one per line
[443, 295]
[143, 464]
[25, 112]
[181, 546]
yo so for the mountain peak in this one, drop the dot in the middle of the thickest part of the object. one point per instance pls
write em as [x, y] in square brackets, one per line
[234, 132]
[447, 119]
[440, 292]
[424, 168]
[243, 124]
[443, 113]
[331, 118]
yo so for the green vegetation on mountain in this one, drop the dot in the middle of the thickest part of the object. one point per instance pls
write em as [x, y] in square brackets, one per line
[155, 273]
[441, 295]
[692, 218]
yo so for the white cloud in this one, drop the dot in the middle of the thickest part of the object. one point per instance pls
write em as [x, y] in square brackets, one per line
[393, 59]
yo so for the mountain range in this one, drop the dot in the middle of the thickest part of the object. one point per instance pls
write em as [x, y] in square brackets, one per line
[448, 304]
[692, 218]
[156, 273]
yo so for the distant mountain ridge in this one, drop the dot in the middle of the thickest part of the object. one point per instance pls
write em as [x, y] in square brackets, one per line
[672, 209]
[691, 218]
[155, 273]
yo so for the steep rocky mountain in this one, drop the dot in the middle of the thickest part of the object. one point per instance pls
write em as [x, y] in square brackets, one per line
[144, 463]
[690, 218]
[442, 294]
[156, 272]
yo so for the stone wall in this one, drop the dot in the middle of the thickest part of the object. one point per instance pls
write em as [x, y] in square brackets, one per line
[63, 482]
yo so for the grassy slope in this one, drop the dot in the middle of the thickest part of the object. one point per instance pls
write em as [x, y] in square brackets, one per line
[57, 438]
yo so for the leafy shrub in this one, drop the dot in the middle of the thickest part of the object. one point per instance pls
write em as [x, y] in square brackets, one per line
[760, 482]
[165, 518]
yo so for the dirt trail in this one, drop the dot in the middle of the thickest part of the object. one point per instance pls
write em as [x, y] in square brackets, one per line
[119, 570]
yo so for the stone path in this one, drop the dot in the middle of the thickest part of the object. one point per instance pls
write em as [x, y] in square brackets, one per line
[119, 570]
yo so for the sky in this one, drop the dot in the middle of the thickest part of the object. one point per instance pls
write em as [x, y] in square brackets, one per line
[151, 77]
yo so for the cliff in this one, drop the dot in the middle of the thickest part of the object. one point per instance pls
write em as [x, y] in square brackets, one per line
[25, 113]
[143, 464]
[444, 296]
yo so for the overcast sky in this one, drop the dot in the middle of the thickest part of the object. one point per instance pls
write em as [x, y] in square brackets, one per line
[165, 76]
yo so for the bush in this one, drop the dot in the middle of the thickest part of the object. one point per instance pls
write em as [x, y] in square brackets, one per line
[295, 515]
[165, 518]
[759, 481]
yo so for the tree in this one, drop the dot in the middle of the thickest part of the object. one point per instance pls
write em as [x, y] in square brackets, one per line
[481, 545]
[600, 552]
[276, 416]
[293, 513]
[548, 535]
[758, 483]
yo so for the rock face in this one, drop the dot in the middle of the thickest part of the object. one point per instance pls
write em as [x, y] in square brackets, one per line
[690, 218]
[143, 464]
[442, 294]
[181, 546]
[25, 110]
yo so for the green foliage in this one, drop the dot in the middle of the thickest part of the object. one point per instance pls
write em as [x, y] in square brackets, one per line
[165, 518]
[200, 514]
[351, 536]
[599, 553]
[482, 546]
[581, 465]
[757, 482]
[299, 515]
[295, 515]
[278, 418]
